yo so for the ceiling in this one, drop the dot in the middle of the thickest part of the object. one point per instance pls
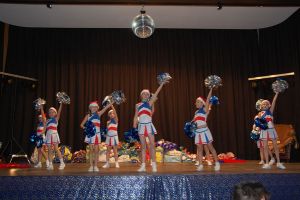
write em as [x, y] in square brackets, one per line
[165, 16]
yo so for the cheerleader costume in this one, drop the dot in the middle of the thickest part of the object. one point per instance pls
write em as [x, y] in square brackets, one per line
[52, 136]
[112, 138]
[145, 125]
[270, 133]
[202, 135]
[96, 139]
[39, 131]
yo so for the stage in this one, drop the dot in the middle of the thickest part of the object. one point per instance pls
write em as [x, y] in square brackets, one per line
[172, 181]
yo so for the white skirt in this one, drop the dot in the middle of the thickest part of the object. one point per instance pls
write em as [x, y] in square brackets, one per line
[146, 128]
[203, 136]
[52, 138]
[112, 140]
[96, 139]
[269, 134]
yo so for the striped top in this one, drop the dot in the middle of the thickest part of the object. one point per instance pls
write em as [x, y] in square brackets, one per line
[51, 126]
[268, 116]
[200, 117]
[112, 128]
[40, 128]
[144, 112]
[95, 119]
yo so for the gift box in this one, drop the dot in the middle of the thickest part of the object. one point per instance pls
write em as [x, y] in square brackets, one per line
[168, 158]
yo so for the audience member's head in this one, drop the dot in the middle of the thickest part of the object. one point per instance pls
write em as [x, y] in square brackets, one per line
[250, 191]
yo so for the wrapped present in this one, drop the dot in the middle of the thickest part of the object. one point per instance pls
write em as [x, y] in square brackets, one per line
[168, 158]
[79, 157]
[159, 156]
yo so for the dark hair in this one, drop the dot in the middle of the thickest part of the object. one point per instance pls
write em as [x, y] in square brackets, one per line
[250, 191]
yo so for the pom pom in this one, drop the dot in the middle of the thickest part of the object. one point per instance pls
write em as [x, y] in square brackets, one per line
[261, 123]
[33, 137]
[38, 103]
[63, 98]
[213, 81]
[107, 100]
[254, 135]
[118, 97]
[214, 100]
[163, 78]
[189, 129]
[90, 129]
[132, 136]
[280, 85]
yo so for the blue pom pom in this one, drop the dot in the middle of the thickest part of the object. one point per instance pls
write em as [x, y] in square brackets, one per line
[32, 137]
[189, 129]
[254, 135]
[261, 123]
[90, 129]
[214, 100]
[132, 136]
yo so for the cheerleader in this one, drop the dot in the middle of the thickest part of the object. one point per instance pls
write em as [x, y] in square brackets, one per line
[52, 137]
[260, 146]
[206, 150]
[202, 134]
[143, 121]
[112, 139]
[40, 131]
[94, 141]
[270, 133]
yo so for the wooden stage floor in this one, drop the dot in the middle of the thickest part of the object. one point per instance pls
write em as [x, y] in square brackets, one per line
[80, 169]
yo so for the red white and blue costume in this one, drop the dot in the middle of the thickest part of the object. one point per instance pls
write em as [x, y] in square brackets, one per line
[112, 138]
[270, 133]
[145, 125]
[52, 136]
[96, 139]
[202, 135]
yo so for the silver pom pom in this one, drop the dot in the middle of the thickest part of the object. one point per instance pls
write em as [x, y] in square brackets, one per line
[107, 100]
[213, 81]
[257, 104]
[63, 98]
[163, 78]
[118, 97]
[38, 103]
[280, 85]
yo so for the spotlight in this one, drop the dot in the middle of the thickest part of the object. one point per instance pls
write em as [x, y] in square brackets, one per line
[219, 5]
[49, 5]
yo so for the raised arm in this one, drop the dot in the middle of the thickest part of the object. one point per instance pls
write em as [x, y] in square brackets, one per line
[154, 96]
[59, 112]
[274, 102]
[207, 100]
[83, 121]
[135, 118]
[100, 113]
[116, 115]
[43, 114]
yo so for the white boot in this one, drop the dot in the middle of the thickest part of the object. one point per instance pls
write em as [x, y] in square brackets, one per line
[38, 165]
[272, 161]
[91, 169]
[117, 165]
[142, 168]
[96, 169]
[62, 164]
[217, 166]
[106, 165]
[200, 167]
[280, 166]
[154, 167]
[47, 163]
[197, 163]
[50, 167]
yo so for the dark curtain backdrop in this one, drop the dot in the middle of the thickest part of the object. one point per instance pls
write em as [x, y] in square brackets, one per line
[89, 64]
